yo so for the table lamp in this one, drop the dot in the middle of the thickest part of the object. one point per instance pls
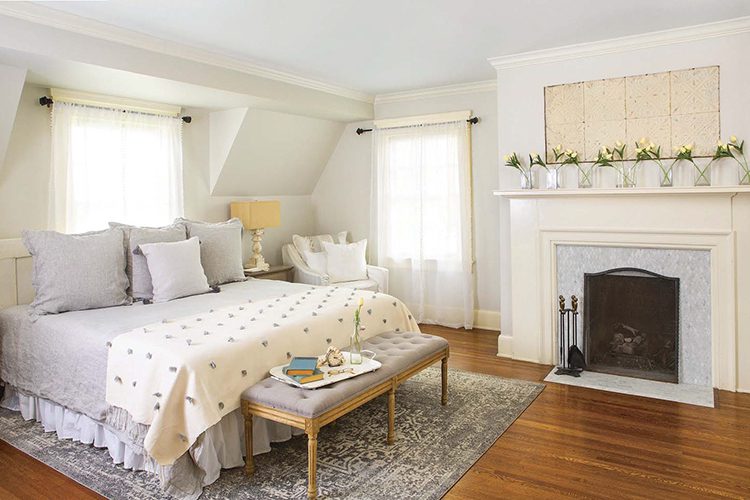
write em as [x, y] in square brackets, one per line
[256, 216]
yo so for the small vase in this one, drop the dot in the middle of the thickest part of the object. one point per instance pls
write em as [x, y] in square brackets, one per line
[626, 176]
[552, 178]
[665, 177]
[744, 176]
[528, 179]
[586, 175]
[355, 346]
[703, 175]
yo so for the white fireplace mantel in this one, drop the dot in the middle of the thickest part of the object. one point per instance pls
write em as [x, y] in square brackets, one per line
[715, 218]
[649, 191]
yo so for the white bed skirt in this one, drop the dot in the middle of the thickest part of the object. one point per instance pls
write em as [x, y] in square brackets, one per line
[222, 446]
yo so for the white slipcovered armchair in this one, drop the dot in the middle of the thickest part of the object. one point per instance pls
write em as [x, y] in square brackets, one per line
[377, 277]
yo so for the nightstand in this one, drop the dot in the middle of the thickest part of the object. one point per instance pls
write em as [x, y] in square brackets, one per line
[280, 273]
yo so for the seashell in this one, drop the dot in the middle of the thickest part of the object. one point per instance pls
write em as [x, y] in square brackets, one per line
[333, 357]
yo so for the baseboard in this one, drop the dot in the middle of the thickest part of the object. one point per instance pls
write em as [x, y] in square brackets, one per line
[487, 320]
[505, 346]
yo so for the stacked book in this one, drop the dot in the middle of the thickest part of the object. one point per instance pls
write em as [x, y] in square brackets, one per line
[304, 370]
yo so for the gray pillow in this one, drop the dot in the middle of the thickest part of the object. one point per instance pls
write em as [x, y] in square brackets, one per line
[137, 268]
[221, 249]
[72, 272]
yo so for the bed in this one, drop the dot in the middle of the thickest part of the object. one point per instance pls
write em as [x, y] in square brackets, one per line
[55, 370]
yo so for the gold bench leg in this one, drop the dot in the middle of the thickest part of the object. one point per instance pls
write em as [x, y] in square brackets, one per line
[444, 377]
[312, 465]
[391, 416]
[249, 463]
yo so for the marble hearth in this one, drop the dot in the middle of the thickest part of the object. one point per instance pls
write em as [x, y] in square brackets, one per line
[699, 235]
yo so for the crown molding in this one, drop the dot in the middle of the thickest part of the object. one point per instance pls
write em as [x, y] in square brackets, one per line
[445, 90]
[84, 26]
[624, 44]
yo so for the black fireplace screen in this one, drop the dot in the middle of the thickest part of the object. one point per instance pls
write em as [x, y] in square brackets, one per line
[631, 324]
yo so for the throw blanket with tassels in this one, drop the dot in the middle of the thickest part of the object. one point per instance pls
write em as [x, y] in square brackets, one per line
[182, 375]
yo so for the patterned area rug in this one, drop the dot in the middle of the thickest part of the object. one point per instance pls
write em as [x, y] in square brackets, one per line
[435, 446]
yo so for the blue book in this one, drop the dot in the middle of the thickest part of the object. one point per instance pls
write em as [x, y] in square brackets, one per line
[301, 366]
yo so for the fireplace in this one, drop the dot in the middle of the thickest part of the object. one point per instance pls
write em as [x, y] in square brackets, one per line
[631, 323]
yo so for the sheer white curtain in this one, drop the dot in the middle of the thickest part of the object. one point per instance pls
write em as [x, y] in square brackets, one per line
[114, 165]
[422, 191]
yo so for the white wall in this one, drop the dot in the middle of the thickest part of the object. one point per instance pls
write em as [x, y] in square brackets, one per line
[342, 195]
[24, 180]
[520, 104]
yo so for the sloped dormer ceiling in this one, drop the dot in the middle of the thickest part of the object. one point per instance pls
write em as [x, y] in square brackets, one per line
[254, 152]
[11, 85]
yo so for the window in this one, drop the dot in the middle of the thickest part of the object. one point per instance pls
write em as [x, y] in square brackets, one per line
[423, 196]
[114, 165]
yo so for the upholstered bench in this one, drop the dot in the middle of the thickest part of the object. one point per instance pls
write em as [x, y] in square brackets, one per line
[401, 354]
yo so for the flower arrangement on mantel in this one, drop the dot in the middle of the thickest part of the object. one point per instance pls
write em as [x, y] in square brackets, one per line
[615, 157]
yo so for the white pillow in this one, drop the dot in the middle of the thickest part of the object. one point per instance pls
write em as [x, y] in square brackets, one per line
[175, 269]
[317, 261]
[346, 262]
[312, 244]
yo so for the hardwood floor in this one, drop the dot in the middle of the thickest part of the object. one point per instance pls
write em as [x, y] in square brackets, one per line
[571, 442]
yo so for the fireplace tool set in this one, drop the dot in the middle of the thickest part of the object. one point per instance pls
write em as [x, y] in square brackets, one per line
[571, 361]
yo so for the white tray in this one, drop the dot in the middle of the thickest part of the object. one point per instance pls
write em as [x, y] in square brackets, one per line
[368, 365]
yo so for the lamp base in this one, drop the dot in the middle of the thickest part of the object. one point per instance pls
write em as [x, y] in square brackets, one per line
[257, 262]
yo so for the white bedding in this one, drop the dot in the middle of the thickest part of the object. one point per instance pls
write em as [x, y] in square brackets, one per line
[62, 359]
[182, 375]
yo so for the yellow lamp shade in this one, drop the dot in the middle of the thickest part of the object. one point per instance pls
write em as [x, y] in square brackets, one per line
[257, 214]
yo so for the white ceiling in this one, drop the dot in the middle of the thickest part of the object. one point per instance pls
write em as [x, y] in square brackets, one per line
[380, 46]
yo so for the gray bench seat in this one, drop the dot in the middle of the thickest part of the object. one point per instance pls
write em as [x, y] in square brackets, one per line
[401, 355]
[396, 352]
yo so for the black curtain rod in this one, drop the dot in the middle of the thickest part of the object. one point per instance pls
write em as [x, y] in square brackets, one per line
[47, 101]
[473, 120]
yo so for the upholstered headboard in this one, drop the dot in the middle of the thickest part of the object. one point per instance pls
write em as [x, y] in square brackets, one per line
[15, 274]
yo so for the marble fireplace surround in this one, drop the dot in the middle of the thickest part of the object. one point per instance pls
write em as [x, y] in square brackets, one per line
[714, 220]
[692, 267]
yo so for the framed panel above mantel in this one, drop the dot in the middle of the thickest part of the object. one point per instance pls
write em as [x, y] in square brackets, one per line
[655, 191]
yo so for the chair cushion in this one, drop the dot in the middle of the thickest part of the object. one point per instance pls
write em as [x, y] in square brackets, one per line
[396, 351]
[368, 285]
